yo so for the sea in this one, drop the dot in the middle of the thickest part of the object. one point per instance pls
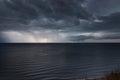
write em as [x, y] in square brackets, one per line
[58, 61]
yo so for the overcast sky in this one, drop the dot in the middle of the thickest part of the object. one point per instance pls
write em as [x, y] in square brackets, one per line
[61, 21]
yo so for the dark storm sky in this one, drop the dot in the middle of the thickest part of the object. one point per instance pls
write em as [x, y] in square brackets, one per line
[59, 21]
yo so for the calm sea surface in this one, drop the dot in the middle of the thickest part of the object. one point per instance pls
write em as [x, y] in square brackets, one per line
[57, 61]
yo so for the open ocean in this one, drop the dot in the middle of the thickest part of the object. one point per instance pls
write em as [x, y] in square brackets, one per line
[57, 61]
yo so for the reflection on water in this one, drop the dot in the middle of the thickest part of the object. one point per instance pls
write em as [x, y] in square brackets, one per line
[57, 61]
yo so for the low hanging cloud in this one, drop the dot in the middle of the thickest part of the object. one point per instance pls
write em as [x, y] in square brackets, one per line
[48, 36]
[33, 36]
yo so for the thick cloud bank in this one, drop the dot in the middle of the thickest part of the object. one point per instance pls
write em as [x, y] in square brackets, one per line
[59, 21]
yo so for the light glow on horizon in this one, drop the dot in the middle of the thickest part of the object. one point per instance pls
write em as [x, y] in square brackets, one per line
[50, 36]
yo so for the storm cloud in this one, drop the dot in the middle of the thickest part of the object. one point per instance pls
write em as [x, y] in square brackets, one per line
[59, 21]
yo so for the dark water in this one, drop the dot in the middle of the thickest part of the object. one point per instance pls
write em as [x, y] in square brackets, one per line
[57, 61]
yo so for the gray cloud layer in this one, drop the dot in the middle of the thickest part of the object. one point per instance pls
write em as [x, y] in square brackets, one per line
[70, 20]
